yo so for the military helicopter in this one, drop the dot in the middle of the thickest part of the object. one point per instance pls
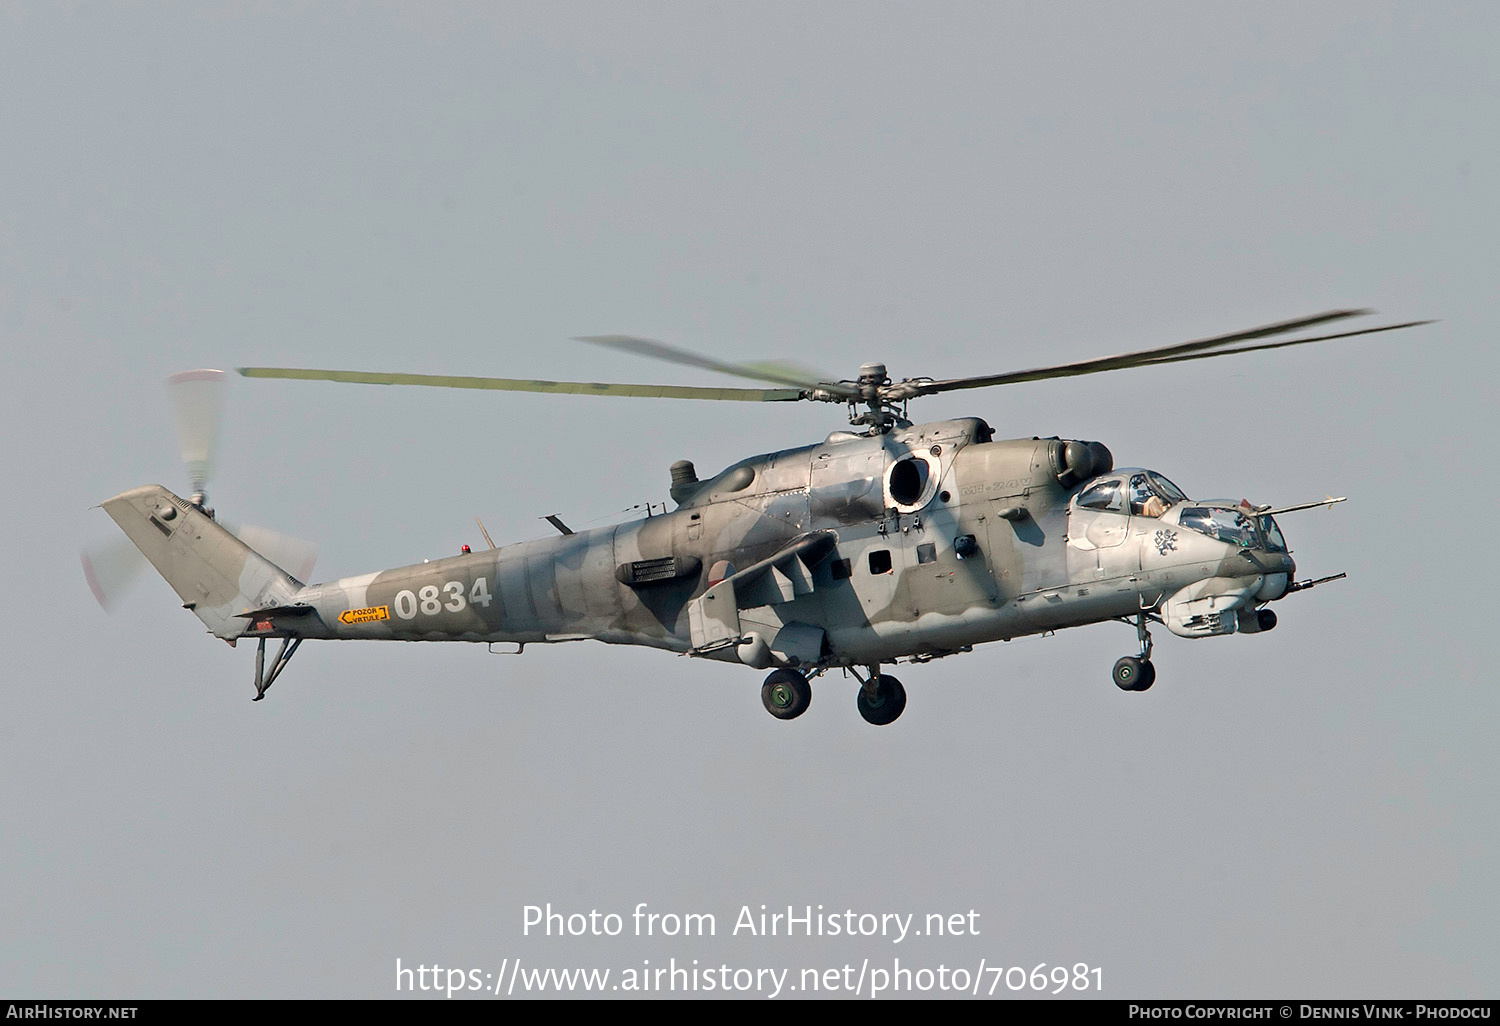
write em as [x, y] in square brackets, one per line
[886, 543]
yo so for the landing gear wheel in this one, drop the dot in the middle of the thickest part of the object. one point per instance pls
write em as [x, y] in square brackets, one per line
[1132, 673]
[786, 694]
[1148, 676]
[886, 704]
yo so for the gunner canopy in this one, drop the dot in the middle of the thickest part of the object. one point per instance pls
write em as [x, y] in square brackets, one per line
[1234, 525]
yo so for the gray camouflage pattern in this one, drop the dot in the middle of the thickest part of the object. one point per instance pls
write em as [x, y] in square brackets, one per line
[863, 549]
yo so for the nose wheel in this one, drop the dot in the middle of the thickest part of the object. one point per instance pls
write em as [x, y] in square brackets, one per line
[1136, 673]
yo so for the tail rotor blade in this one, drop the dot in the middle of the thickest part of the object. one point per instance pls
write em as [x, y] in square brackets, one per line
[111, 569]
[198, 403]
[295, 556]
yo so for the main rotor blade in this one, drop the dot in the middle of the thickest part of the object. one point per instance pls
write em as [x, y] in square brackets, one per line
[198, 402]
[1283, 345]
[753, 395]
[1161, 354]
[777, 372]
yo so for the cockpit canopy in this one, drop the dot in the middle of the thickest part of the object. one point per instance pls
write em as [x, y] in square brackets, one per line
[1234, 524]
[1132, 490]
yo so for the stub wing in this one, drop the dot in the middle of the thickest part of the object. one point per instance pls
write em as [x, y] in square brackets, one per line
[714, 616]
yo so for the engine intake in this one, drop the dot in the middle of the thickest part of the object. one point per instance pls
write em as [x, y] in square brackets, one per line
[1074, 462]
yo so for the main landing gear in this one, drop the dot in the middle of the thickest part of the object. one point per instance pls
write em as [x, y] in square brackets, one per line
[786, 694]
[1136, 673]
[881, 699]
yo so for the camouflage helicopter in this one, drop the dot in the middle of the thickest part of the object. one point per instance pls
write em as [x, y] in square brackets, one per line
[890, 542]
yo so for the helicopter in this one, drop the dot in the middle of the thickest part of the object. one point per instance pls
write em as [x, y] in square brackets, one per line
[888, 542]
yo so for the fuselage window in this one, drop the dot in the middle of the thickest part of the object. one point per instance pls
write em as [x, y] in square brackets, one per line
[880, 561]
[927, 553]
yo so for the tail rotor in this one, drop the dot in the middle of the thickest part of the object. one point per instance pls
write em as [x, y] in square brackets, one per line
[198, 404]
[112, 567]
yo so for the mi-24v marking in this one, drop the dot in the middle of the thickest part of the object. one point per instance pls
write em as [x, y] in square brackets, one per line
[892, 542]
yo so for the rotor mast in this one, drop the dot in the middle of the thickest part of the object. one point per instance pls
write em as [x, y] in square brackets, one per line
[880, 413]
[871, 389]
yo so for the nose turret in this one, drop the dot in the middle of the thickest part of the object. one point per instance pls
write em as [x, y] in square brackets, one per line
[1279, 582]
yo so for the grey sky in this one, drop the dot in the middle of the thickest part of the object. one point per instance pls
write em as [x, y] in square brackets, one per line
[950, 188]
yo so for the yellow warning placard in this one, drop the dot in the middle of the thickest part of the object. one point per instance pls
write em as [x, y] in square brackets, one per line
[367, 615]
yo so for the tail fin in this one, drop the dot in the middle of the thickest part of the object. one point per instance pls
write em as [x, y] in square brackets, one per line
[217, 575]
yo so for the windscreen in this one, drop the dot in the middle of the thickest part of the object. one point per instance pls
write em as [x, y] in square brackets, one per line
[1227, 525]
[1274, 540]
[1166, 489]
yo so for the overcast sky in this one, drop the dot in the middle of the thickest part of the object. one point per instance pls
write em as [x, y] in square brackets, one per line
[950, 188]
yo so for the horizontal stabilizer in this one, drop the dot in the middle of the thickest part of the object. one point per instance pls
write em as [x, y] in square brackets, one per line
[280, 621]
[293, 611]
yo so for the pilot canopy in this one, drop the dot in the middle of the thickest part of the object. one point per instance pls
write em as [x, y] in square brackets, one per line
[1132, 491]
